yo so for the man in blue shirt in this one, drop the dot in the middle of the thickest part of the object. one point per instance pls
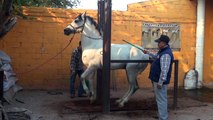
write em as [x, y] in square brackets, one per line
[160, 74]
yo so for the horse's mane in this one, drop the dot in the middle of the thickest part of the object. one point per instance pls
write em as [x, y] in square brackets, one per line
[94, 23]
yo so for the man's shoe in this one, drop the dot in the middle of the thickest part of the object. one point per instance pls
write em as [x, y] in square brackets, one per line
[72, 96]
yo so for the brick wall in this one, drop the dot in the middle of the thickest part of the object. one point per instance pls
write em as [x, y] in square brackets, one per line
[36, 40]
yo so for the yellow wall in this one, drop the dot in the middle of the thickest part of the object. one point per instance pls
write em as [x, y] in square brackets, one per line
[208, 51]
[34, 41]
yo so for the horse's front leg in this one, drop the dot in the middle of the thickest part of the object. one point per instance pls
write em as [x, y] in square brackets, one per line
[91, 78]
[88, 74]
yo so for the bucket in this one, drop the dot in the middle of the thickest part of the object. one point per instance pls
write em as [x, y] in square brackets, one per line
[191, 80]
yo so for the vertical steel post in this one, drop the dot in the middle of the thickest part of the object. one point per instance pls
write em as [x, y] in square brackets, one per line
[175, 85]
[101, 15]
[106, 56]
[99, 84]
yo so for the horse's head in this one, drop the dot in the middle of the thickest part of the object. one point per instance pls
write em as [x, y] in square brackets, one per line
[77, 25]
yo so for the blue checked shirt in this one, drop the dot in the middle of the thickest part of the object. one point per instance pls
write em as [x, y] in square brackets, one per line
[76, 60]
[165, 62]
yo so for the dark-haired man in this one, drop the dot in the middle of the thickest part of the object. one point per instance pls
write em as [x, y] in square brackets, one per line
[76, 68]
[160, 74]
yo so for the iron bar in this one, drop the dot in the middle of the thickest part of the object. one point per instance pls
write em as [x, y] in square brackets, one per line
[175, 85]
[106, 56]
[99, 71]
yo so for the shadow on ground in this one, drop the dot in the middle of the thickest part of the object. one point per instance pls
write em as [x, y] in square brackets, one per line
[204, 94]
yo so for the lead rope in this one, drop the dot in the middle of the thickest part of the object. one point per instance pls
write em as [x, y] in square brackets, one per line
[49, 58]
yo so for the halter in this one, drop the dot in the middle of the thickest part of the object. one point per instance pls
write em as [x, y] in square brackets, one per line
[82, 26]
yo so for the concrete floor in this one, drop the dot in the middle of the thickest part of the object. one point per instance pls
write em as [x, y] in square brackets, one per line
[57, 105]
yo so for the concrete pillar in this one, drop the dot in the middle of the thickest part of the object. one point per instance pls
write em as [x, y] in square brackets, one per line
[200, 40]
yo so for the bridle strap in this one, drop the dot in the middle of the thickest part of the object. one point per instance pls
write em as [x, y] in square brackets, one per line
[82, 26]
[92, 37]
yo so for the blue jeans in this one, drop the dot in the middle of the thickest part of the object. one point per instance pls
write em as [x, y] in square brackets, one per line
[72, 83]
[161, 99]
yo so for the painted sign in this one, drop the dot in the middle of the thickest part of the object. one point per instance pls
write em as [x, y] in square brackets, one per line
[152, 31]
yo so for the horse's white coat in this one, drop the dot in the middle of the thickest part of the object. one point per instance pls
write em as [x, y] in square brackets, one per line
[92, 44]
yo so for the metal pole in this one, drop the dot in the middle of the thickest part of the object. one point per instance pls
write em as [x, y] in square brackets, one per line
[99, 71]
[101, 15]
[175, 85]
[106, 57]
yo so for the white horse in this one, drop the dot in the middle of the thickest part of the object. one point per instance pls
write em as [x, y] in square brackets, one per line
[92, 44]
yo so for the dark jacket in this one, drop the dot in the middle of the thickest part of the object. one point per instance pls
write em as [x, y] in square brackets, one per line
[155, 70]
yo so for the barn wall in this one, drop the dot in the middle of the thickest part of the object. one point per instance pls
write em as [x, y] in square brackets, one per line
[35, 40]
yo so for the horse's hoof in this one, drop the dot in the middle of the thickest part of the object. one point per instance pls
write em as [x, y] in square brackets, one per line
[118, 101]
[120, 105]
[90, 94]
[92, 101]
[87, 93]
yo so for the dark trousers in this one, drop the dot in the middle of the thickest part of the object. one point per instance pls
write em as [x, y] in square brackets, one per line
[72, 83]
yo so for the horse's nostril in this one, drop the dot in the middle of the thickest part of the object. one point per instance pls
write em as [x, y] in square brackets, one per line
[65, 30]
[68, 31]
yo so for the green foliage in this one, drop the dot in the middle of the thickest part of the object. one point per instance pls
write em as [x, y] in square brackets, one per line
[47, 3]
[17, 4]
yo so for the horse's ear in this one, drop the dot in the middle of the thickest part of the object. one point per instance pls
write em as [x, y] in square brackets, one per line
[83, 15]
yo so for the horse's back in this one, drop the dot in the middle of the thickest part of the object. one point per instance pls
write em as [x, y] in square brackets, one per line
[127, 52]
[120, 51]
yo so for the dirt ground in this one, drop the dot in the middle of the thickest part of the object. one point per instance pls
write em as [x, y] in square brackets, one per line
[57, 105]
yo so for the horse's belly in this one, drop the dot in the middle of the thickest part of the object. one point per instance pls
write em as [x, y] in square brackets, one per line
[118, 66]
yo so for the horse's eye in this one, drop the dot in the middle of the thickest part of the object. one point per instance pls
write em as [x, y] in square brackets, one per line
[76, 21]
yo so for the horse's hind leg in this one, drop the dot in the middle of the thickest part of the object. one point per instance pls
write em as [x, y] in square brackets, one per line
[125, 95]
[122, 98]
[133, 86]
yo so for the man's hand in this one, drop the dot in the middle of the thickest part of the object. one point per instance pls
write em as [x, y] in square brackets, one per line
[159, 86]
[72, 71]
[145, 51]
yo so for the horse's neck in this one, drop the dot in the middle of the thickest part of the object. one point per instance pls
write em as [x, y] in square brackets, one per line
[89, 43]
[91, 31]
[91, 39]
